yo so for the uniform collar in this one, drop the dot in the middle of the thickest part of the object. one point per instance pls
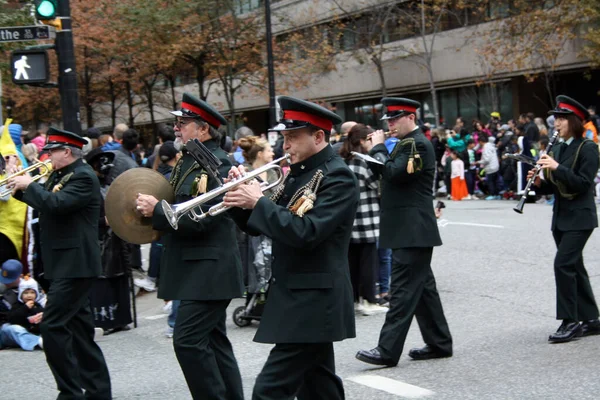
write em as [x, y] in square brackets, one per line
[211, 144]
[569, 140]
[412, 133]
[71, 167]
[313, 161]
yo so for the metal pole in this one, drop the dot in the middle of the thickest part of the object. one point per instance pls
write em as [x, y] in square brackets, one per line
[270, 69]
[67, 78]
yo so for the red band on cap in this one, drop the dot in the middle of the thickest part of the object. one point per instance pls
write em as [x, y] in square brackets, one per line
[402, 108]
[64, 139]
[576, 110]
[315, 120]
[202, 113]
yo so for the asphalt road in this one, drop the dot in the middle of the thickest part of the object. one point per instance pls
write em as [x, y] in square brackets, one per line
[495, 276]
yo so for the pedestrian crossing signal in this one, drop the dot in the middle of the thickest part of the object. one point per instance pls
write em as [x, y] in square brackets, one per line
[29, 67]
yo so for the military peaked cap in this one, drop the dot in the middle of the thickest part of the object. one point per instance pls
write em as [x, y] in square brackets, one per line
[398, 107]
[299, 114]
[56, 138]
[566, 106]
[193, 107]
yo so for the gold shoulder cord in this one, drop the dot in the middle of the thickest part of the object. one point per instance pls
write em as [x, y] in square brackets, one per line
[562, 190]
[412, 158]
[304, 198]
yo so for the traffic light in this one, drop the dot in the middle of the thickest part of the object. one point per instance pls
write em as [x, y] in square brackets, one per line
[46, 12]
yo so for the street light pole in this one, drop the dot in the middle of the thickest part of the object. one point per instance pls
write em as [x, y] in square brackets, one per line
[270, 68]
[67, 78]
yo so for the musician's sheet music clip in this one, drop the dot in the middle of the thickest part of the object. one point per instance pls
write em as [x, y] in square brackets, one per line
[367, 158]
[204, 158]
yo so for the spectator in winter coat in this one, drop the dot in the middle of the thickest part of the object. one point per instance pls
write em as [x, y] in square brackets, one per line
[489, 162]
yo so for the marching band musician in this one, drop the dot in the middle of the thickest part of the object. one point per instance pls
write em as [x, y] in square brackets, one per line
[69, 208]
[406, 206]
[569, 173]
[309, 218]
[201, 264]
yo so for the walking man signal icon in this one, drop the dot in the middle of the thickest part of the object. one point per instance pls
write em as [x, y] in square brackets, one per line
[29, 67]
[20, 68]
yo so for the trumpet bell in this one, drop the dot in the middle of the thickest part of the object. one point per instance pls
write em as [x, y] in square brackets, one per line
[120, 204]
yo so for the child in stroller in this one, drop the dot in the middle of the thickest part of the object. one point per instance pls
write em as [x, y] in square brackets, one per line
[259, 275]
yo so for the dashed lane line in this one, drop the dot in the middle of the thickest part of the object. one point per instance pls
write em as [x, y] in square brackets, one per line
[444, 222]
[392, 386]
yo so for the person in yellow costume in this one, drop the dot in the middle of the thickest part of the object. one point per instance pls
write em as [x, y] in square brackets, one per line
[13, 213]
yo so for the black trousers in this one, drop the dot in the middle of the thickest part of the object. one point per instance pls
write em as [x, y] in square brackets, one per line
[574, 297]
[305, 371]
[363, 259]
[67, 329]
[413, 293]
[204, 351]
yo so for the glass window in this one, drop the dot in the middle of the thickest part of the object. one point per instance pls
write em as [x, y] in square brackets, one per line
[449, 107]
[499, 9]
[427, 111]
[468, 108]
[505, 100]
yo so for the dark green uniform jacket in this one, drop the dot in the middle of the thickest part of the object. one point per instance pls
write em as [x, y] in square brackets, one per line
[578, 213]
[310, 297]
[407, 216]
[201, 260]
[68, 221]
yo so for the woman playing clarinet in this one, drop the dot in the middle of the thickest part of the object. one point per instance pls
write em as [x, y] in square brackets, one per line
[569, 172]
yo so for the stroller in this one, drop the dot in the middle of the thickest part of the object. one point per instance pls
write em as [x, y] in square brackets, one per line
[259, 275]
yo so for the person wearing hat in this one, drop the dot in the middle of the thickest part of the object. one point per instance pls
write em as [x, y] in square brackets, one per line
[201, 265]
[569, 171]
[309, 218]
[406, 206]
[69, 210]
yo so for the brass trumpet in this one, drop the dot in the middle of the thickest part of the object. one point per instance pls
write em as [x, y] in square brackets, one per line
[45, 169]
[387, 134]
[175, 212]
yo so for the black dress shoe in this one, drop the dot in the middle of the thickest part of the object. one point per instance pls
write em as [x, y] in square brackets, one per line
[591, 327]
[427, 353]
[374, 357]
[566, 332]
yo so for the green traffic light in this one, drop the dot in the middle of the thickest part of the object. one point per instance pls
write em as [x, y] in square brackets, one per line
[46, 9]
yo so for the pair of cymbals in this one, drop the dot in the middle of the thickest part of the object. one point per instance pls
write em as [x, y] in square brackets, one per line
[120, 204]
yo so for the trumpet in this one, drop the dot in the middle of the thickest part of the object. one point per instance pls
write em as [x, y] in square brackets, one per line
[175, 212]
[387, 134]
[45, 169]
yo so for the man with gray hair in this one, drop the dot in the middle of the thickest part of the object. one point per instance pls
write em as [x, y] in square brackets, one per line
[344, 129]
[118, 132]
[242, 132]
[69, 209]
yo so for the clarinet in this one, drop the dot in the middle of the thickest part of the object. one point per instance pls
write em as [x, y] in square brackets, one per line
[536, 171]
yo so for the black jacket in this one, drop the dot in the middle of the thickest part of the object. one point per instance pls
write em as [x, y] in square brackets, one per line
[407, 215]
[19, 313]
[578, 213]
[201, 260]
[68, 221]
[310, 297]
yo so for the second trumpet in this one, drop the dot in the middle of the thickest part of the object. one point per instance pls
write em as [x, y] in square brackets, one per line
[175, 212]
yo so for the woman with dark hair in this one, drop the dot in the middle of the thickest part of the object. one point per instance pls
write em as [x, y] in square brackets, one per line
[479, 131]
[362, 252]
[569, 171]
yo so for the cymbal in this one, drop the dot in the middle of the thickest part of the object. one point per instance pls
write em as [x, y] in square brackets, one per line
[120, 203]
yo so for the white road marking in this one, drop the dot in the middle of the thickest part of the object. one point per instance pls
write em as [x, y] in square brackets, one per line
[444, 222]
[159, 316]
[392, 386]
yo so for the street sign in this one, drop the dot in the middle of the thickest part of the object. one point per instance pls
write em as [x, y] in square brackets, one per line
[29, 66]
[25, 33]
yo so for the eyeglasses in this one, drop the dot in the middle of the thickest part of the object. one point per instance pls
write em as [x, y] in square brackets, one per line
[182, 122]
